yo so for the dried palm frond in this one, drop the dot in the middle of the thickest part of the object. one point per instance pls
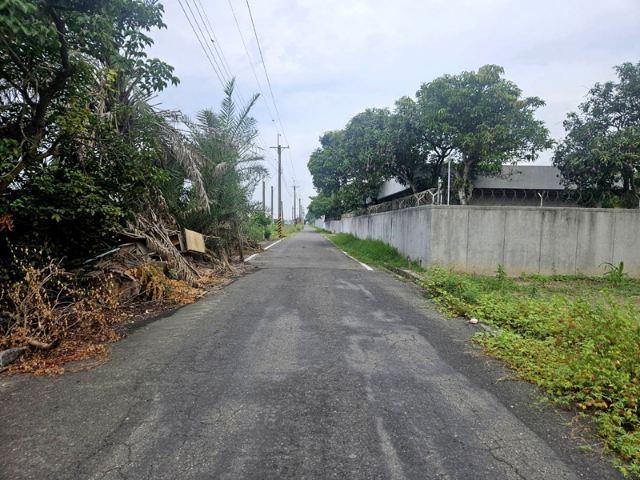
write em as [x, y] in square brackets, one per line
[220, 170]
[175, 145]
[158, 241]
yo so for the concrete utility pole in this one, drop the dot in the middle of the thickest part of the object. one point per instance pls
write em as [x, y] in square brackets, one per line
[272, 203]
[279, 148]
[264, 207]
[294, 204]
[300, 210]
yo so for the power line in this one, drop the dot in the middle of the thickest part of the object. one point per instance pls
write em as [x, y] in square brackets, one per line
[222, 71]
[211, 33]
[225, 64]
[199, 41]
[223, 61]
[251, 64]
[264, 65]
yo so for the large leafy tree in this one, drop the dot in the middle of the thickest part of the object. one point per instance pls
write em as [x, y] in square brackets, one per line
[52, 52]
[600, 155]
[483, 121]
[321, 206]
[351, 163]
[365, 148]
[417, 151]
[78, 143]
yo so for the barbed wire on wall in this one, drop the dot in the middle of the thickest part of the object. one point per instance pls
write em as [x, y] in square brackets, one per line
[486, 197]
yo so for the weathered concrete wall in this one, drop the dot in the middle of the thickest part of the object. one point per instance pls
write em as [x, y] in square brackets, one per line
[477, 239]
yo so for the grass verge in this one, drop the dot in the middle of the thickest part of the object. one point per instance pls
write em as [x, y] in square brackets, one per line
[287, 230]
[576, 337]
[373, 252]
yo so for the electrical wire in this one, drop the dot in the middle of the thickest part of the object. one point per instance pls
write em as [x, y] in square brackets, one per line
[225, 69]
[200, 41]
[264, 65]
[212, 37]
[251, 64]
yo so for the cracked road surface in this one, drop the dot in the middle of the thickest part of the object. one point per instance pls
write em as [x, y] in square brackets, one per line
[308, 367]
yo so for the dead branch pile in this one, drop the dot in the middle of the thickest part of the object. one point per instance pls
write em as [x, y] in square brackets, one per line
[158, 241]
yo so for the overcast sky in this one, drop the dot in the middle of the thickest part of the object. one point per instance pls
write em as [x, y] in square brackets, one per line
[330, 59]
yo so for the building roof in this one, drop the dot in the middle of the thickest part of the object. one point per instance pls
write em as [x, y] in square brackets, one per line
[391, 187]
[523, 177]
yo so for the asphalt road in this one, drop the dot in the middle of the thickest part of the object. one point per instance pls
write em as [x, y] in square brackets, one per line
[310, 366]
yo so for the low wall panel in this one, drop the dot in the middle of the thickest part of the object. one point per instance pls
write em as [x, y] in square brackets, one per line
[594, 242]
[522, 241]
[485, 245]
[564, 241]
[449, 228]
[626, 246]
[559, 234]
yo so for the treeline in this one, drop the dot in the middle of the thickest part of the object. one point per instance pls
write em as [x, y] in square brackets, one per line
[84, 153]
[480, 121]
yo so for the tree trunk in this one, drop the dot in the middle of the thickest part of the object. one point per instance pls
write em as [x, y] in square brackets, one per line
[465, 192]
[240, 242]
[634, 192]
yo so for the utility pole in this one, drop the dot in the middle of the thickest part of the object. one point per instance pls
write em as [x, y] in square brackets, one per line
[279, 148]
[294, 204]
[264, 208]
[300, 210]
[272, 203]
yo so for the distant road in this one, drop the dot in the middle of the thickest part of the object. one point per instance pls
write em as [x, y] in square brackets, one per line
[311, 366]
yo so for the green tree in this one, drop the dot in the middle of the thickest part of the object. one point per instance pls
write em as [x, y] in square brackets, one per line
[52, 53]
[72, 183]
[322, 205]
[365, 147]
[350, 164]
[417, 154]
[483, 121]
[600, 155]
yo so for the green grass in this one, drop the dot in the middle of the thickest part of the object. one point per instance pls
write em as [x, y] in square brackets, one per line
[373, 252]
[576, 337]
[287, 230]
[322, 230]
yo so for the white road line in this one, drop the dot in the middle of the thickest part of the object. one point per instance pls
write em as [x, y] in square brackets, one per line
[364, 265]
[274, 243]
[266, 248]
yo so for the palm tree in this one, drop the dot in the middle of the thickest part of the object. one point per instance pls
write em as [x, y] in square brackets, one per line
[230, 166]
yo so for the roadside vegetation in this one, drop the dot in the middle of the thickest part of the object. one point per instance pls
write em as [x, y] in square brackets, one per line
[480, 121]
[374, 252]
[576, 337]
[287, 230]
[91, 165]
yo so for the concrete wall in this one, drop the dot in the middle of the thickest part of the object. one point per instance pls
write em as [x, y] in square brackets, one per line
[477, 239]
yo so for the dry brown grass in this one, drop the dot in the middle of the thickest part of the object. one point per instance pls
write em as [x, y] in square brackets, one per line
[82, 317]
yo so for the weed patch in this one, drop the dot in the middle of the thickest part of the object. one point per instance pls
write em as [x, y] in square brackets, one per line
[578, 338]
[287, 230]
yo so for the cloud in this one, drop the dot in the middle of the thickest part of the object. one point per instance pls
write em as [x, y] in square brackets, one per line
[328, 60]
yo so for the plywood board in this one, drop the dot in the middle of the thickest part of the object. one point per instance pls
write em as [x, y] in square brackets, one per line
[194, 241]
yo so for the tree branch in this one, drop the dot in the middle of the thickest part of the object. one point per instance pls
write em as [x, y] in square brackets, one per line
[16, 58]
